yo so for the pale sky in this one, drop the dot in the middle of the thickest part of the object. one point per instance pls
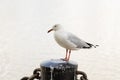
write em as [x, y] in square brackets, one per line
[24, 41]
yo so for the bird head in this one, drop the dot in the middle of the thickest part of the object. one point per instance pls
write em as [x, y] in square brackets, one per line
[55, 28]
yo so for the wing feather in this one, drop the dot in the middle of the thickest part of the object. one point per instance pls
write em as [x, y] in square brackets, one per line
[78, 42]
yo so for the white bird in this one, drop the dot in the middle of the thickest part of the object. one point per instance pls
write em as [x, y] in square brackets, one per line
[69, 41]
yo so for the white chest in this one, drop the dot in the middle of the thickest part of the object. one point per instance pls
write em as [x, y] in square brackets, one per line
[62, 39]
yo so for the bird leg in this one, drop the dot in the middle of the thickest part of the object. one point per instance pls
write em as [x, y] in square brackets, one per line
[66, 54]
[69, 55]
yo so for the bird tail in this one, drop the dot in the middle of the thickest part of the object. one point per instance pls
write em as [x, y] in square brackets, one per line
[91, 45]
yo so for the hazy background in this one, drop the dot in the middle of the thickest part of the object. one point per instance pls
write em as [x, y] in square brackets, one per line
[24, 42]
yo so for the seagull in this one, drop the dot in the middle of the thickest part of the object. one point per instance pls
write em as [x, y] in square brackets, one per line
[69, 41]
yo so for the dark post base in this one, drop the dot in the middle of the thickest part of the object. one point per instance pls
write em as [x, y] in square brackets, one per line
[57, 69]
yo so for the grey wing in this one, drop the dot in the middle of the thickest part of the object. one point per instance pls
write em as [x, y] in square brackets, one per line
[78, 42]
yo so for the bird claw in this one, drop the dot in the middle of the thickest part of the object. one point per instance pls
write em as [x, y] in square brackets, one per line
[64, 59]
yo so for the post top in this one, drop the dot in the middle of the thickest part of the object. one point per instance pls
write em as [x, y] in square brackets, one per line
[55, 63]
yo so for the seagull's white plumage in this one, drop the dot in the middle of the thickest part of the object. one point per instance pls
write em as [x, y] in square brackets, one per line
[68, 40]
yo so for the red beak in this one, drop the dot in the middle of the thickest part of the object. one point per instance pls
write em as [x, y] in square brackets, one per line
[50, 30]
